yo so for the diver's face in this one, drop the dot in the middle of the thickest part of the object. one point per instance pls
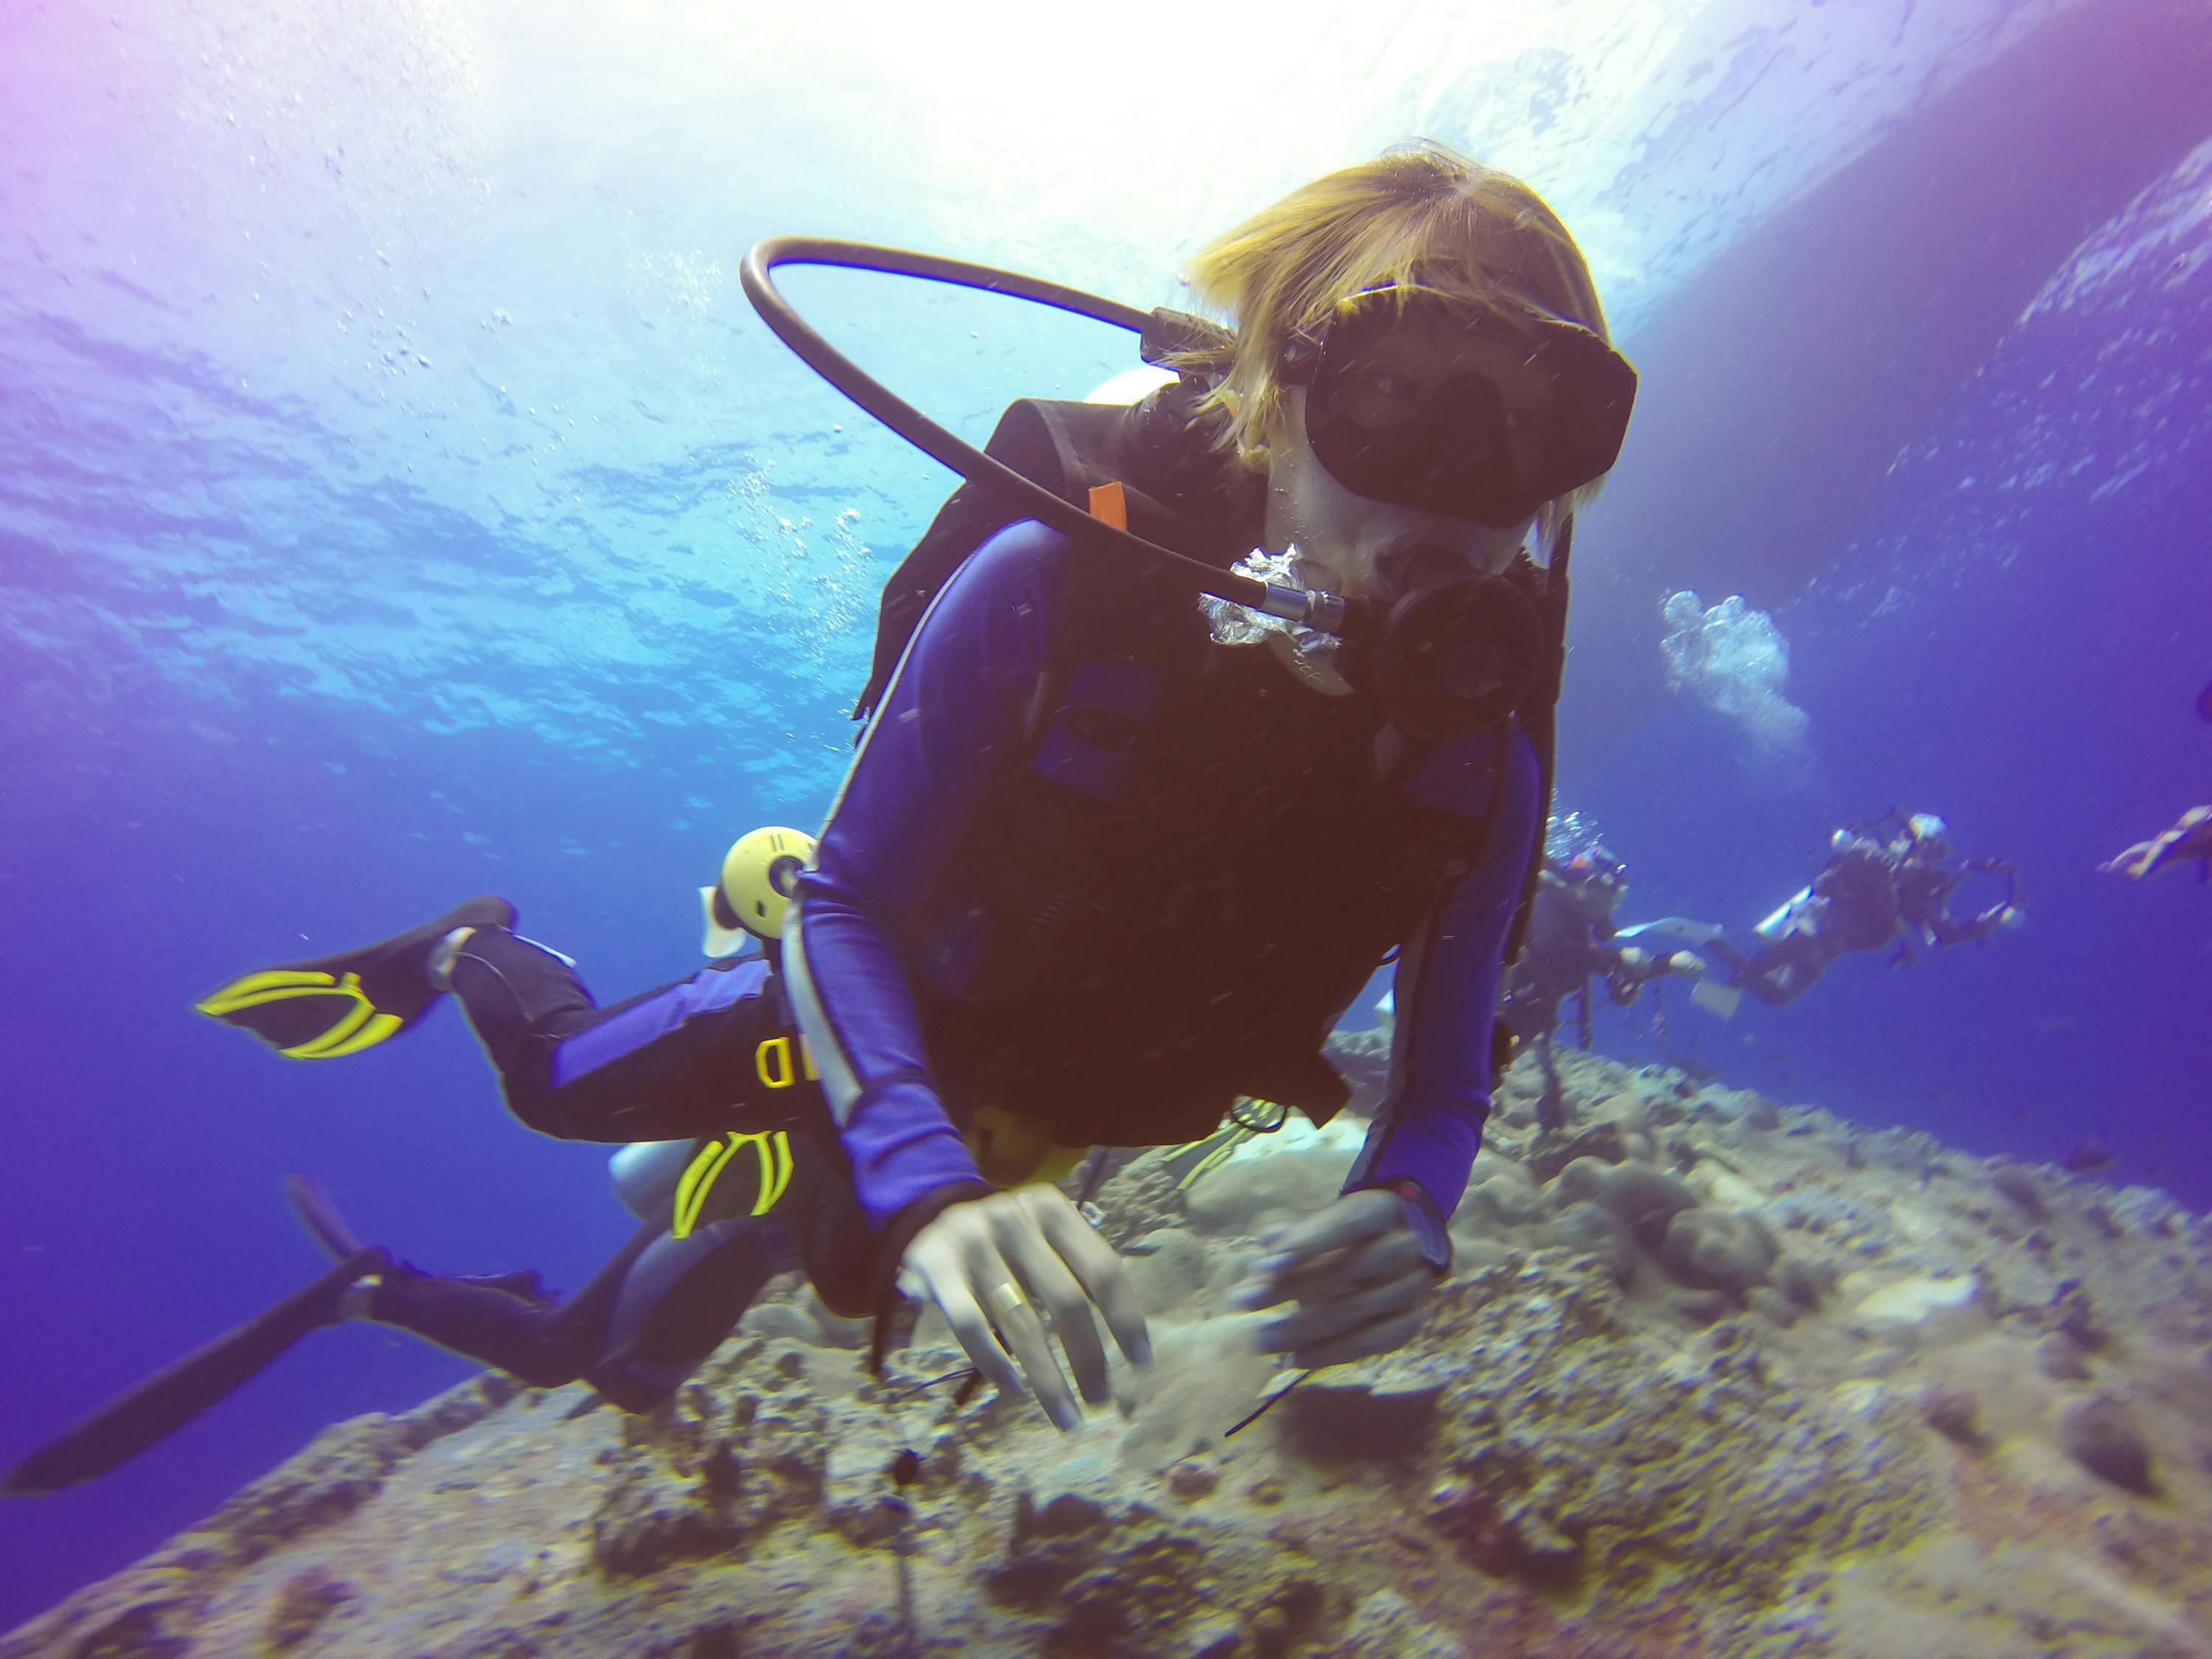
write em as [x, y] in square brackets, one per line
[1359, 548]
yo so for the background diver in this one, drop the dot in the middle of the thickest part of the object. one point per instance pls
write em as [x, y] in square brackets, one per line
[1572, 939]
[2189, 841]
[1048, 911]
[1890, 881]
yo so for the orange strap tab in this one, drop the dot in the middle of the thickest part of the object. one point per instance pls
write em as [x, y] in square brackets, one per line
[1110, 503]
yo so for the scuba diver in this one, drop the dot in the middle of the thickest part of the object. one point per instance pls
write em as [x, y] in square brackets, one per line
[1890, 880]
[716, 1214]
[1571, 939]
[2189, 842]
[1111, 857]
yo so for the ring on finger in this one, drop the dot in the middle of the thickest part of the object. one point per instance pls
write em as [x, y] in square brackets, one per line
[1005, 1298]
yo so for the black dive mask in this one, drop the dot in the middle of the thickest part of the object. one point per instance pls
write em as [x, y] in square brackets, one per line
[1423, 400]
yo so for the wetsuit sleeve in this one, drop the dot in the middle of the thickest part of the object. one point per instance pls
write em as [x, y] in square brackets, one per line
[1429, 1126]
[955, 702]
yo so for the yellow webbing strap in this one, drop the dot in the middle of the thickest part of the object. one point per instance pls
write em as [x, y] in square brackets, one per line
[771, 1146]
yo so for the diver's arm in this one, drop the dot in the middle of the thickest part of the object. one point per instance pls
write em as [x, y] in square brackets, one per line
[1949, 930]
[956, 701]
[1626, 971]
[1429, 1126]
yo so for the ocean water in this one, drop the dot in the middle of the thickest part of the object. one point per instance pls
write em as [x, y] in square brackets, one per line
[399, 501]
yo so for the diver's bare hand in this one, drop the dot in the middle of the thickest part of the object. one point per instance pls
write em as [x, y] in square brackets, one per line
[992, 1262]
[1360, 1278]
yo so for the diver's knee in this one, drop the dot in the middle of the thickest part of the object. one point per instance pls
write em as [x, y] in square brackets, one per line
[545, 1371]
[637, 1389]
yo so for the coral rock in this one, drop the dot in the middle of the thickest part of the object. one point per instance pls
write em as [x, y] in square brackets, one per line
[2016, 1184]
[1347, 1420]
[2061, 1358]
[1718, 1251]
[1601, 1141]
[2101, 1436]
[1952, 1413]
[1803, 1282]
[1595, 1231]
[1191, 1481]
[1645, 1198]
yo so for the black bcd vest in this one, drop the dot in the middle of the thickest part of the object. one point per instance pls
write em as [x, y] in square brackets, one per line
[1202, 889]
[1175, 887]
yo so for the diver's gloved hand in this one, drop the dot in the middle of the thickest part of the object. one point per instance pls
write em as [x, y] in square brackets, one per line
[1359, 1272]
[991, 1263]
[1688, 964]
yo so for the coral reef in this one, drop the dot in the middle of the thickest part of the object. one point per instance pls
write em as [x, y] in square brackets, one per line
[1712, 1375]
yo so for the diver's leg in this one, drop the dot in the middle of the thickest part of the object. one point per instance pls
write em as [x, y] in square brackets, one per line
[540, 1343]
[1552, 1104]
[521, 1000]
[1802, 969]
[688, 1059]
[679, 1301]
[1762, 977]
[649, 1319]
[797, 1176]
[1784, 970]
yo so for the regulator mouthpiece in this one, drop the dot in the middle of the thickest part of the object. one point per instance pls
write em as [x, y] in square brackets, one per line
[1310, 617]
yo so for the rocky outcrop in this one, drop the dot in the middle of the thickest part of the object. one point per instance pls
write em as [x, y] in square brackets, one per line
[1712, 1375]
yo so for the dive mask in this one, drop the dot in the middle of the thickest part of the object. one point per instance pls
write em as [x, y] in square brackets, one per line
[1423, 400]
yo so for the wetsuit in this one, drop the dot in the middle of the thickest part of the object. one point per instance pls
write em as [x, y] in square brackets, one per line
[646, 1320]
[666, 1065]
[886, 1141]
[702, 1059]
[1565, 949]
[884, 943]
[1317, 842]
[1860, 884]
[1870, 893]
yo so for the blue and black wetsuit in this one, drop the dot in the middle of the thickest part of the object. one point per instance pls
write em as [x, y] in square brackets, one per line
[712, 1057]
[920, 1004]
[688, 1059]
[1100, 874]
[643, 1323]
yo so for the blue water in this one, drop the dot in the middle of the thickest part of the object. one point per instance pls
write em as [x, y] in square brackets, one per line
[397, 501]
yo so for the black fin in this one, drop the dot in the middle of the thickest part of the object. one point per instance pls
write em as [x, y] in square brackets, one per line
[156, 1408]
[313, 1209]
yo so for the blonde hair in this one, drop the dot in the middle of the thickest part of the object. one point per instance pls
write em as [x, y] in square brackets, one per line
[1419, 215]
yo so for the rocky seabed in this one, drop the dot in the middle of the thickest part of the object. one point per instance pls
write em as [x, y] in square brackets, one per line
[1712, 1375]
